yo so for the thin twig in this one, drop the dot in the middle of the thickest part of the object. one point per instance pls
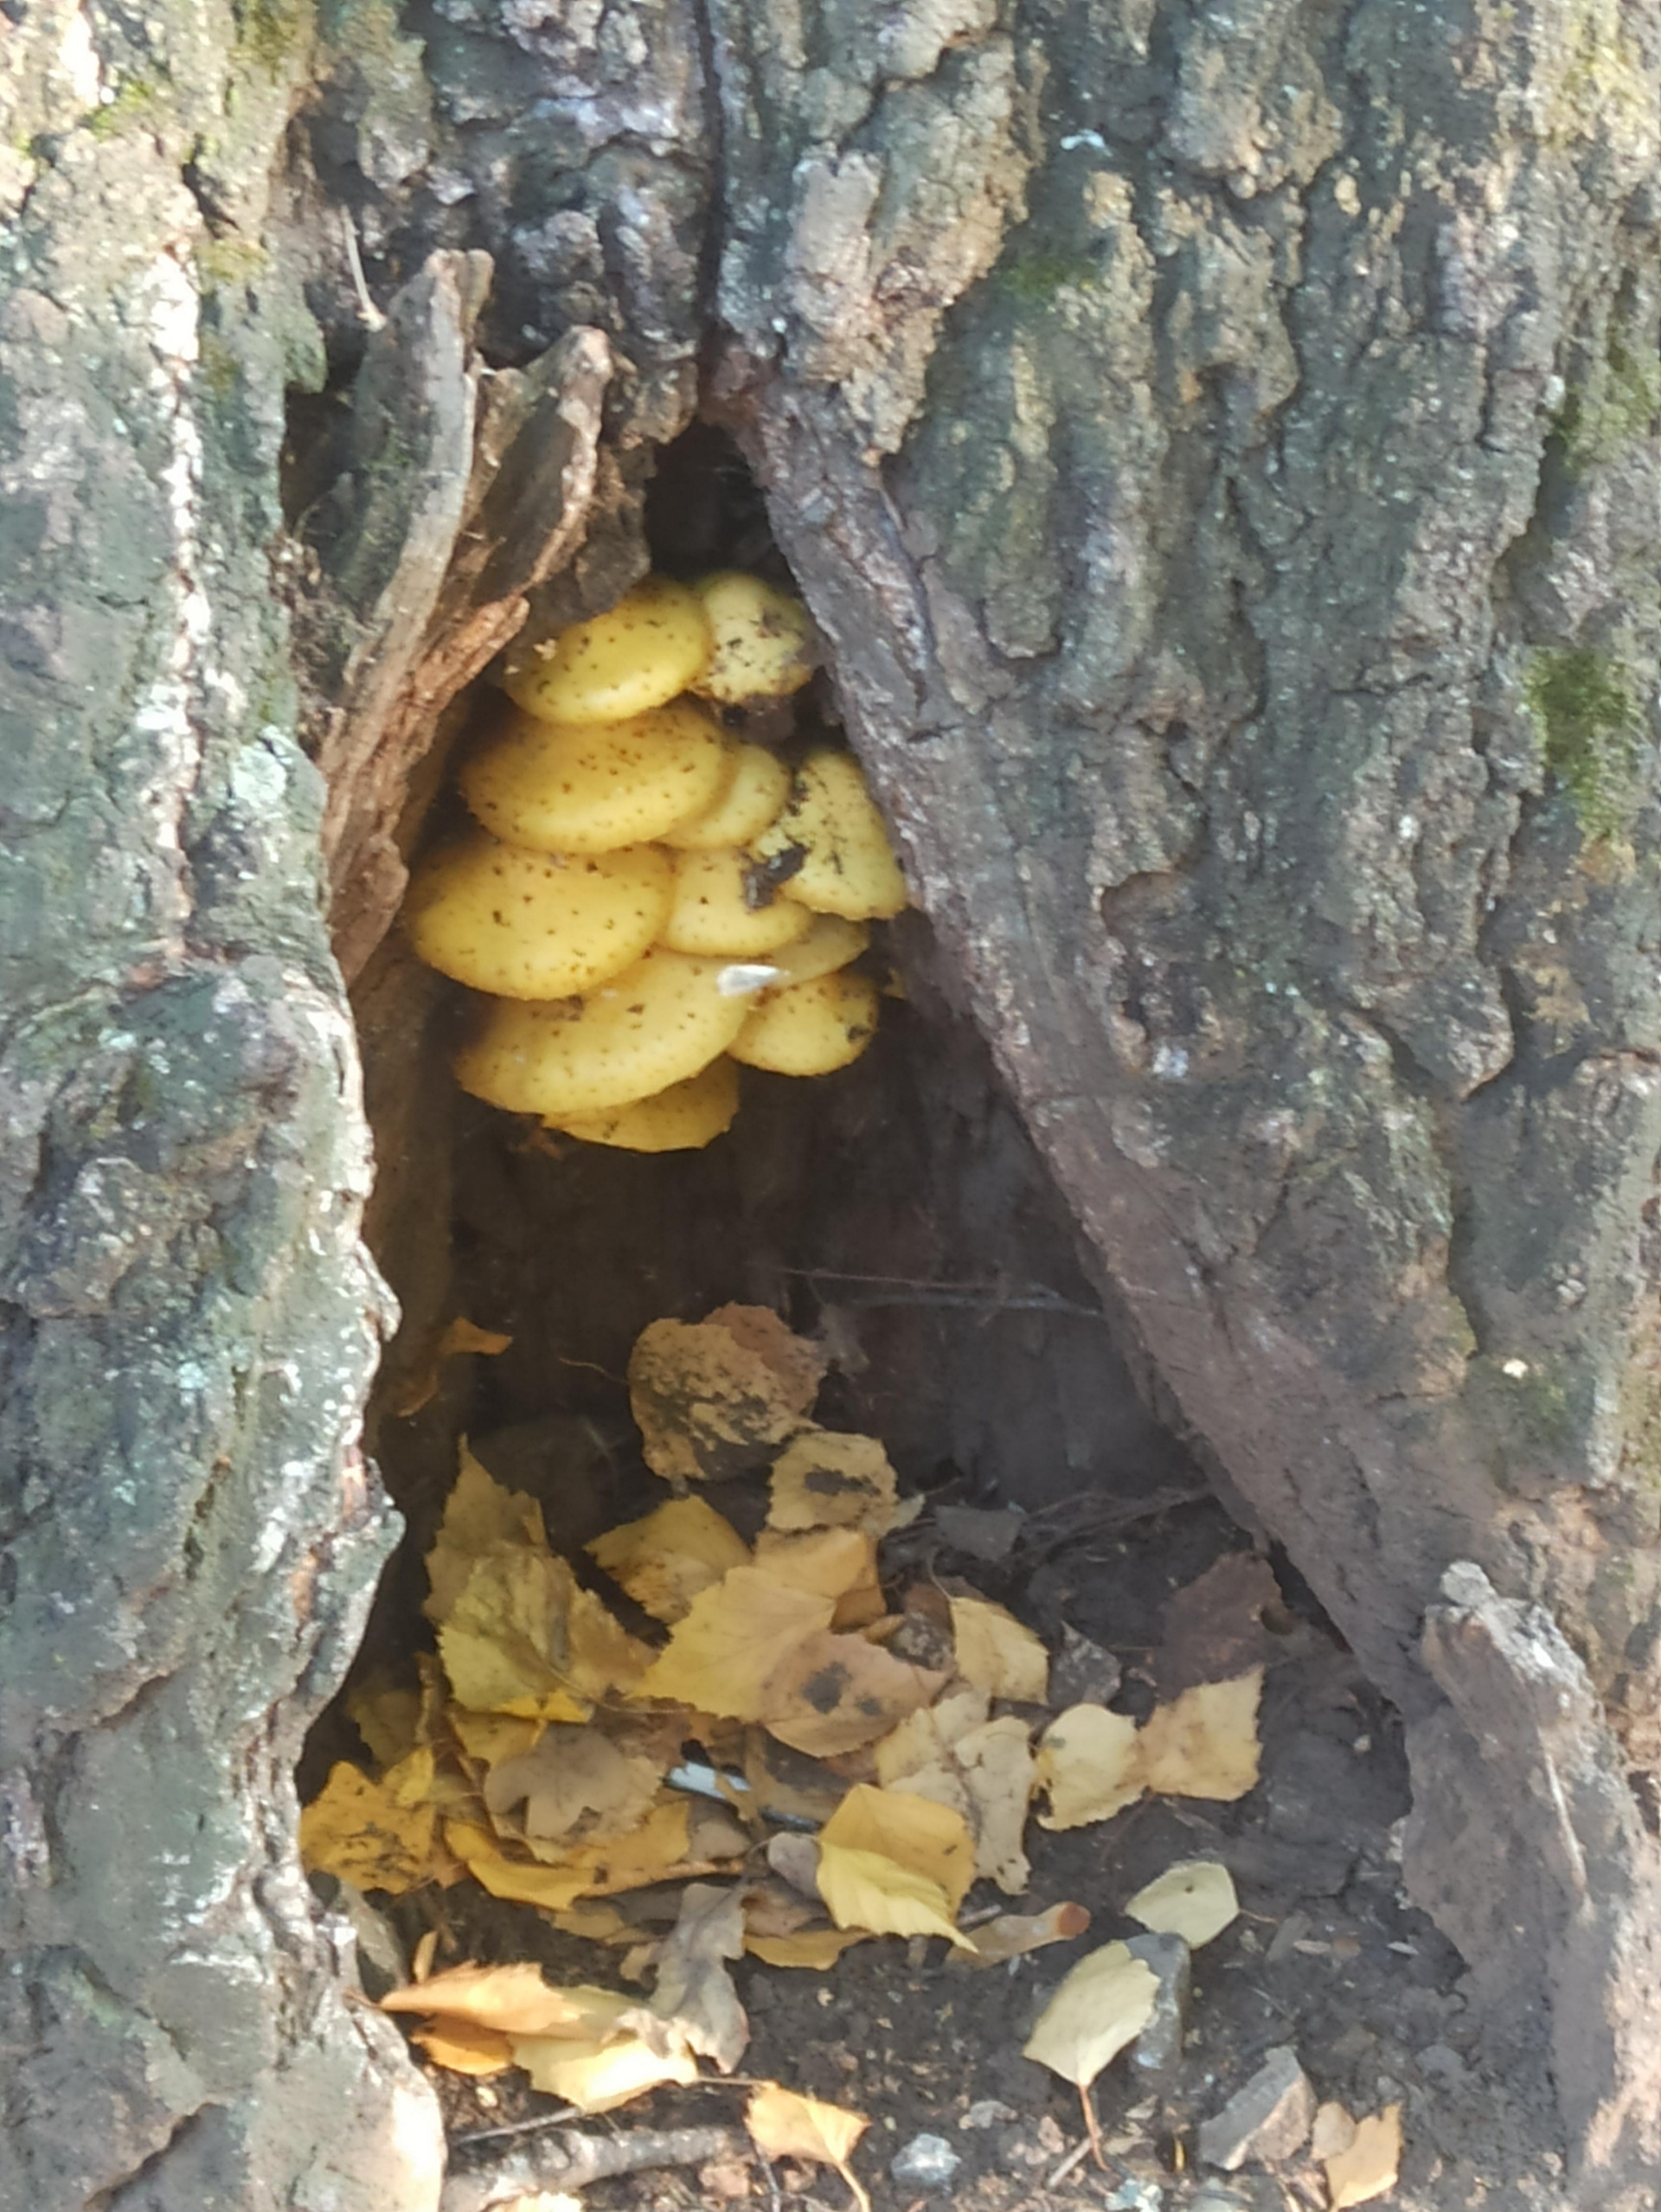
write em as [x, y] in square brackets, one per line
[1075, 2158]
[366, 306]
[573, 2161]
[519, 2127]
[918, 1290]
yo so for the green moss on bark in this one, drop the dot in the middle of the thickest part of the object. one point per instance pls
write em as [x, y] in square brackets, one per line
[1589, 725]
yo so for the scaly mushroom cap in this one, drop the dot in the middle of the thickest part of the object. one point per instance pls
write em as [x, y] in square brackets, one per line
[662, 1020]
[809, 1027]
[684, 1118]
[652, 645]
[848, 867]
[593, 788]
[710, 912]
[756, 795]
[763, 639]
[529, 924]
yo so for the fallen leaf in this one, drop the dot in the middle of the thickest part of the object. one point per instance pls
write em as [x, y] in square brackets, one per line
[1103, 2004]
[1333, 2131]
[1369, 2166]
[997, 1654]
[930, 1839]
[1083, 1673]
[825, 1480]
[387, 1718]
[363, 1832]
[1212, 1630]
[652, 1852]
[1011, 1935]
[598, 2077]
[695, 2001]
[986, 1775]
[1090, 1765]
[835, 1694]
[713, 1397]
[522, 1637]
[1204, 1743]
[784, 2125]
[478, 1516]
[460, 1337]
[1193, 1898]
[576, 1785]
[725, 1657]
[513, 2000]
[788, 1784]
[596, 1923]
[862, 1890]
[666, 1559]
[489, 1739]
[465, 2049]
[839, 1563]
[923, 1739]
[819, 1947]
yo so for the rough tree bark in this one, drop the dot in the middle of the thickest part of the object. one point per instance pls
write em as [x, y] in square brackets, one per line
[1219, 445]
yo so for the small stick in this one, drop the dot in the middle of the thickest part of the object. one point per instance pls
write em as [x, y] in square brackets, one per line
[366, 306]
[574, 2161]
[519, 2127]
[1075, 2158]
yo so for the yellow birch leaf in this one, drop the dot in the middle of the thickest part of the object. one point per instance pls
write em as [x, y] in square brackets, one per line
[522, 1637]
[665, 1560]
[655, 1851]
[932, 1840]
[489, 1738]
[463, 2049]
[783, 2124]
[478, 1514]
[1090, 1765]
[997, 1654]
[598, 2077]
[724, 1656]
[554, 1888]
[862, 1890]
[358, 1829]
[997, 1768]
[1204, 1743]
[819, 1947]
[597, 1924]
[1369, 2167]
[839, 1563]
[1103, 2004]
[922, 1739]
[835, 1694]
[825, 1480]
[712, 1396]
[1193, 1898]
[513, 2000]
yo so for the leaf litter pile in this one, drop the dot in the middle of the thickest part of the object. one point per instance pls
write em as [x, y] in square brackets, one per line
[816, 1753]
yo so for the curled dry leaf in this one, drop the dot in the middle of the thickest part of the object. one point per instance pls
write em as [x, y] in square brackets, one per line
[1368, 2166]
[512, 2000]
[1103, 2004]
[1213, 1628]
[1011, 1935]
[1089, 1763]
[817, 1948]
[696, 2007]
[784, 2125]
[1204, 1743]
[598, 2077]
[666, 1559]
[462, 2048]
[715, 1396]
[1194, 1898]
[825, 1480]
[997, 1654]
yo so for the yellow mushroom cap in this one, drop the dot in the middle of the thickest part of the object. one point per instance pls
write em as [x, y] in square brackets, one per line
[683, 1119]
[763, 639]
[708, 912]
[591, 788]
[809, 1027]
[830, 942]
[653, 644]
[849, 867]
[659, 1021]
[757, 792]
[529, 925]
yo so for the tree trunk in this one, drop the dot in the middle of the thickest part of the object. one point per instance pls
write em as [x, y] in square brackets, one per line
[1220, 450]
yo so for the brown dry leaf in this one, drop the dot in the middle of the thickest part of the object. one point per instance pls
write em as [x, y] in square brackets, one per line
[465, 2049]
[839, 1563]
[1204, 1743]
[784, 2125]
[459, 1337]
[1193, 1898]
[597, 1924]
[1369, 2166]
[695, 2007]
[1213, 1629]
[713, 1397]
[598, 2077]
[997, 1654]
[478, 1516]
[931, 1839]
[1011, 1935]
[825, 1480]
[1103, 2004]
[655, 1851]
[576, 1785]
[365, 1833]
[817, 1948]
[665, 1560]
[725, 1657]
[522, 1637]
[513, 2000]
[1090, 1765]
[837, 1693]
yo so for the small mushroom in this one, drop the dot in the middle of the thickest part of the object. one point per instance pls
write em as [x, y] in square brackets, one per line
[759, 789]
[809, 1028]
[591, 788]
[711, 913]
[662, 1020]
[652, 645]
[830, 942]
[848, 865]
[532, 925]
[684, 1118]
[763, 640]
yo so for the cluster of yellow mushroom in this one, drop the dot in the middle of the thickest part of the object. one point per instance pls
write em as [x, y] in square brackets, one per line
[645, 900]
